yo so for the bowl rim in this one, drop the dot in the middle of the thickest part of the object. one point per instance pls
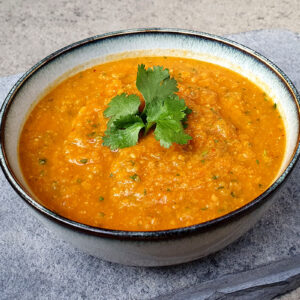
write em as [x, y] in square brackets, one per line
[158, 234]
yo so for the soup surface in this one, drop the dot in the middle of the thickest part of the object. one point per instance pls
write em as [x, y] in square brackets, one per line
[238, 142]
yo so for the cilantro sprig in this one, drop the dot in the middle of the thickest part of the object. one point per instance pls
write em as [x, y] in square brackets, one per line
[163, 109]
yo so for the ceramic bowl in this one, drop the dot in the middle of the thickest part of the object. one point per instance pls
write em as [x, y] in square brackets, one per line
[153, 248]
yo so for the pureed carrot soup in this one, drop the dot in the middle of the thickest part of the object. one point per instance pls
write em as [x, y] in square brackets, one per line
[234, 144]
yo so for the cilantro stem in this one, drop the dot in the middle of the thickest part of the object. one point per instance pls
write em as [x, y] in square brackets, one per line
[148, 127]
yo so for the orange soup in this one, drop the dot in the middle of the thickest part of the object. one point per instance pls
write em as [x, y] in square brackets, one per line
[238, 143]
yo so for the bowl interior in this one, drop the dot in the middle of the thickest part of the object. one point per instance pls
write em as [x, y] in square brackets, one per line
[82, 55]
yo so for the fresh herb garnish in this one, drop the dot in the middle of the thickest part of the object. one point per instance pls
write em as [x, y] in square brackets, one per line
[123, 132]
[135, 177]
[101, 198]
[42, 161]
[204, 153]
[163, 109]
[84, 160]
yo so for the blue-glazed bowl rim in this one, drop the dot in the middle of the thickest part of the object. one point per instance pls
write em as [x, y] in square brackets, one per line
[146, 235]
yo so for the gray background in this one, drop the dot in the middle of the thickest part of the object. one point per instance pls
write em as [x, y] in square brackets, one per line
[32, 29]
[33, 264]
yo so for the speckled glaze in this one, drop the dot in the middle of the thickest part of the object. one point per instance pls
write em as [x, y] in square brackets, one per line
[154, 248]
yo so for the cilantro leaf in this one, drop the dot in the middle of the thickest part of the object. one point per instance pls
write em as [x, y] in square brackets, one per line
[123, 132]
[155, 83]
[122, 105]
[171, 108]
[167, 114]
[154, 110]
[170, 131]
[184, 120]
[174, 108]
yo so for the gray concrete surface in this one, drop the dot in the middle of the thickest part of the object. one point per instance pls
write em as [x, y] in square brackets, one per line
[31, 29]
